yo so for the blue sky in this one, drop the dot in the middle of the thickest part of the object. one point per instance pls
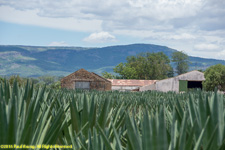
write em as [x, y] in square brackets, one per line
[19, 34]
[193, 26]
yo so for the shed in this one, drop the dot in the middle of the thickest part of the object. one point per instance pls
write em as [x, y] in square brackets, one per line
[183, 82]
[129, 85]
[82, 79]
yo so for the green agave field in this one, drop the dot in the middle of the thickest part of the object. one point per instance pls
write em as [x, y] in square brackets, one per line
[92, 120]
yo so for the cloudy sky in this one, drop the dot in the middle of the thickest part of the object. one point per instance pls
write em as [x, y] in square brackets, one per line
[196, 27]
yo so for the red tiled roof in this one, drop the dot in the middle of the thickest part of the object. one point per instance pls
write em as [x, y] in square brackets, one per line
[124, 82]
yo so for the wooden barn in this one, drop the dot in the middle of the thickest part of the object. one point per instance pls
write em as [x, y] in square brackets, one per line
[82, 79]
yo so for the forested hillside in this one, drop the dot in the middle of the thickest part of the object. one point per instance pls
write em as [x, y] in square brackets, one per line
[36, 61]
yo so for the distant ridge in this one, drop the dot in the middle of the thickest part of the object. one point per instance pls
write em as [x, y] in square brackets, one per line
[47, 60]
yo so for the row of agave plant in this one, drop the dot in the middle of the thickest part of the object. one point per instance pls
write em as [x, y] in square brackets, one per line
[92, 120]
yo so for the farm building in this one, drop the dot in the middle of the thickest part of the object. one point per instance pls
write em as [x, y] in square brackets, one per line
[180, 83]
[129, 85]
[82, 79]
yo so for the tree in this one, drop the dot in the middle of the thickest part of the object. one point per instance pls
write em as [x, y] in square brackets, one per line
[181, 61]
[126, 71]
[1, 79]
[47, 79]
[107, 75]
[214, 78]
[55, 85]
[145, 66]
[20, 80]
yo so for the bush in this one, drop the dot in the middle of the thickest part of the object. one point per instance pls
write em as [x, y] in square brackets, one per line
[214, 78]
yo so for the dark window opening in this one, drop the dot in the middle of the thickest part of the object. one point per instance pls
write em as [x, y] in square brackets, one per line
[194, 84]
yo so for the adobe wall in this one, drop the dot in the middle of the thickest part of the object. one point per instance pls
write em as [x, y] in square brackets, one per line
[172, 84]
[124, 88]
[151, 87]
[101, 86]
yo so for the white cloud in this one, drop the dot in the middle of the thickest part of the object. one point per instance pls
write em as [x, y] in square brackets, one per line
[221, 55]
[115, 14]
[183, 36]
[127, 14]
[207, 47]
[61, 43]
[183, 24]
[31, 17]
[100, 37]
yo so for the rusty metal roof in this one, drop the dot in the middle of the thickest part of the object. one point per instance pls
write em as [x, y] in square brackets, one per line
[125, 82]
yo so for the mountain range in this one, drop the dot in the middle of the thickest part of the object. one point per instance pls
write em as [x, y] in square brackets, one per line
[32, 61]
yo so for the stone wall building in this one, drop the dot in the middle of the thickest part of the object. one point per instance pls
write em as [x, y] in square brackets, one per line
[82, 79]
[181, 83]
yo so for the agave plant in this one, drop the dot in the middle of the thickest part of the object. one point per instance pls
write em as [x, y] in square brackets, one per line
[90, 120]
[26, 116]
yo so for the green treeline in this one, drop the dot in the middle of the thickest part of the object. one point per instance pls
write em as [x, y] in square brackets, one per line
[150, 66]
[48, 81]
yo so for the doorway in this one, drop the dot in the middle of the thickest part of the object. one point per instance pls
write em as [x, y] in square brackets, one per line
[194, 84]
[185, 86]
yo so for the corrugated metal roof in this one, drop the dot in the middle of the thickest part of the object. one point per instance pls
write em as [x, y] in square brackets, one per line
[125, 82]
[185, 74]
